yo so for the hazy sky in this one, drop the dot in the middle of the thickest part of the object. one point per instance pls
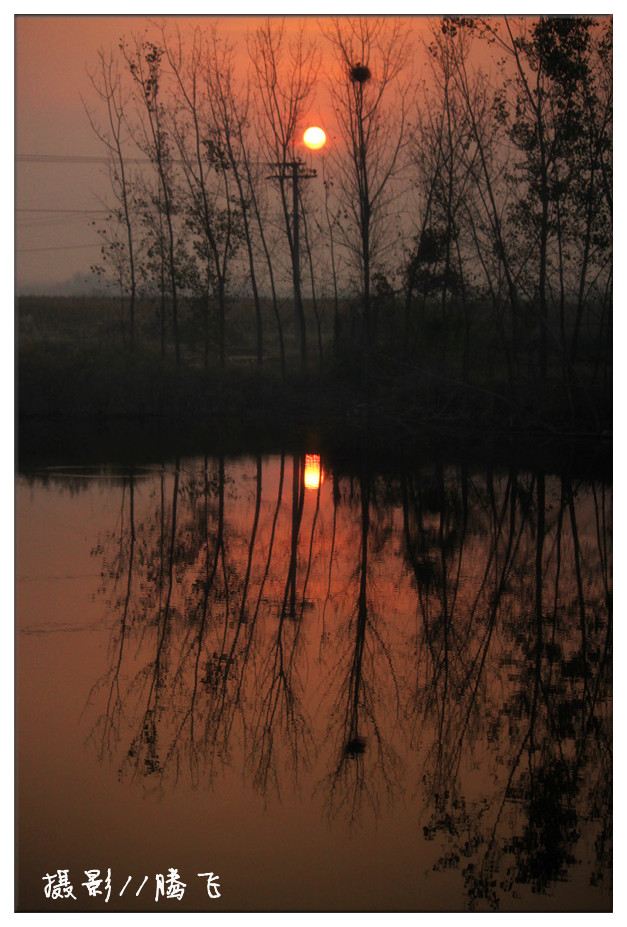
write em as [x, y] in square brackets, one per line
[52, 54]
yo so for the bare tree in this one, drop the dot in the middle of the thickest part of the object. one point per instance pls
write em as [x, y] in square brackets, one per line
[331, 221]
[144, 60]
[550, 59]
[285, 73]
[230, 105]
[206, 166]
[370, 103]
[107, 83]
[486, 160]
[442, 159]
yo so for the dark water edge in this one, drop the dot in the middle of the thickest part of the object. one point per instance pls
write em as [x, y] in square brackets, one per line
[59, 440]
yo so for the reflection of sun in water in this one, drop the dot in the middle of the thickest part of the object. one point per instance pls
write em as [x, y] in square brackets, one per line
[313, 471]
[314, 137]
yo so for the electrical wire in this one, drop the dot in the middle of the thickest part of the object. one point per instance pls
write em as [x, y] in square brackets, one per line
[72, 159]
[57, 248]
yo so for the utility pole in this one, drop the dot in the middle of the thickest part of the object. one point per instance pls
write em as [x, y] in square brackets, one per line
[297, 171]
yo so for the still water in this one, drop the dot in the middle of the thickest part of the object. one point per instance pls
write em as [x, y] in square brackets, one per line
[331, 690]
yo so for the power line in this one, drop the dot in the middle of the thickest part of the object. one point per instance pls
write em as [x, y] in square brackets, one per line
[49, 225]
[54, 224]
[57, 248]
[72, 159]
[89, 212]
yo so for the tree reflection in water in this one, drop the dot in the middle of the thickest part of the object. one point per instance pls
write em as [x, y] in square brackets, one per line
[446, 633]
[366, 763]
[514, 688]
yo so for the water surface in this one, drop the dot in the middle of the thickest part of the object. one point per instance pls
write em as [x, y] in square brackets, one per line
[334, 689]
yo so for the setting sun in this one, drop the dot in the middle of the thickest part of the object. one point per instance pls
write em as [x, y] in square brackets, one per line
[314, 137]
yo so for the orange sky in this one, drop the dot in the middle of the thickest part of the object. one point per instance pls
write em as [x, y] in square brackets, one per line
[52, 54]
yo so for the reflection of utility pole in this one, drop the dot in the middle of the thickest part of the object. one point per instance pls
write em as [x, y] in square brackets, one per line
[298, 171]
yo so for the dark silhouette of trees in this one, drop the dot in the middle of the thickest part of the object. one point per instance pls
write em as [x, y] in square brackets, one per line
[445, 160]
[473, 208]
[230, 112]
[210, 214]
[370, 58]
[107, 84]
[547, 121]
[144, 60]
[285, 71]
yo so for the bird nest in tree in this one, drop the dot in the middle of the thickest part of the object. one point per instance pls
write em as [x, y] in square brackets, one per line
[359, 73]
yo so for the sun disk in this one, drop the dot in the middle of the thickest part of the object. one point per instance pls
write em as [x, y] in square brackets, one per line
[314, 137]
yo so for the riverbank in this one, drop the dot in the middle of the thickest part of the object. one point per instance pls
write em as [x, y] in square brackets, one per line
[76, 373]
[86, 404]
[91, 378]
